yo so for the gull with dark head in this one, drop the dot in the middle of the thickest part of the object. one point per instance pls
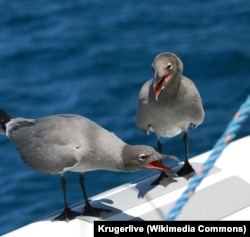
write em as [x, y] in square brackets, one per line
[168, 104]
[67, 142]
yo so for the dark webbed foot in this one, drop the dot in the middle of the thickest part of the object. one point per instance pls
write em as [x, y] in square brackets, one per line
[163, 180]
[186, 171]
[67, 215]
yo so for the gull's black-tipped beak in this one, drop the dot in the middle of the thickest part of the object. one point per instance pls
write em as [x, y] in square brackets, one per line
[170, 157]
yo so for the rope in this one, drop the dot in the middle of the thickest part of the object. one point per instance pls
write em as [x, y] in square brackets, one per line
[225, 139]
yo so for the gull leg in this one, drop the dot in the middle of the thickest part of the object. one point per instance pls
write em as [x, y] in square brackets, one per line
[187, 170]
[88, 209]
[163, 178]
[159, 146]
[67, 214]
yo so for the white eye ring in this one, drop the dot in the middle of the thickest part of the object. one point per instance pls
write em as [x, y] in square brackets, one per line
[169, 66]
[143, 157]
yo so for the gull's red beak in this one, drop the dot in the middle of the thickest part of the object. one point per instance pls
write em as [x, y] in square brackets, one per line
[158, 165]
[157, 89]
[159, 85]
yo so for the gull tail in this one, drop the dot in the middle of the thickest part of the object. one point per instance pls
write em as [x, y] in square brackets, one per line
[4, 119]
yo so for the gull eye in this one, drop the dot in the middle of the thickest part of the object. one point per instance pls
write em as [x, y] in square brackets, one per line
[169, 66]
[142, 157]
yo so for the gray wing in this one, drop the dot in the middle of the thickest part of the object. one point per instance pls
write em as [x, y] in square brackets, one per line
[48, 144]
[143, 109]
[193, 102]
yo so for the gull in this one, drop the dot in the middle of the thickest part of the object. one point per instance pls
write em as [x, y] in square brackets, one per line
[59, 143]
[168, 104]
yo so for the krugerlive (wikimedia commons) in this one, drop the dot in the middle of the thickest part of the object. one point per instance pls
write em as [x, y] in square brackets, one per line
[146, 228]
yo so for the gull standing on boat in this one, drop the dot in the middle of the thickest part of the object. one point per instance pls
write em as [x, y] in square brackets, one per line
[167, 105]
[67, 142]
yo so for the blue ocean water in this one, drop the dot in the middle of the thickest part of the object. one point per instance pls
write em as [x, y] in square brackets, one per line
[91, 58]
